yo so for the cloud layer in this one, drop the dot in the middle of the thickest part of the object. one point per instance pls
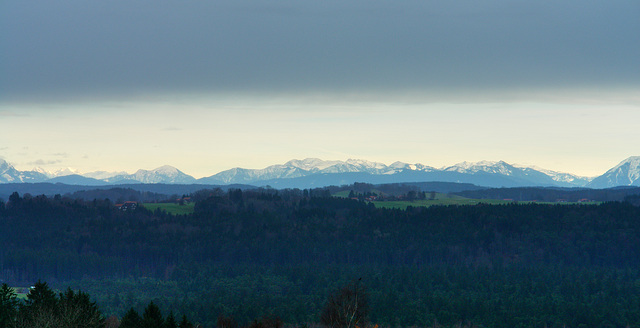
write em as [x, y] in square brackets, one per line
[89, 49]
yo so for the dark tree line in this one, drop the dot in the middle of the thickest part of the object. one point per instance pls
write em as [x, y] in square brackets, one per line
[43, 308]
[152, 318]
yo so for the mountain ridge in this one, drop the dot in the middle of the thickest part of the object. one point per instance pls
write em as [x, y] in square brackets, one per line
[315, 172]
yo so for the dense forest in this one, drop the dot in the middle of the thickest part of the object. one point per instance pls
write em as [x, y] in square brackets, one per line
[247, 254]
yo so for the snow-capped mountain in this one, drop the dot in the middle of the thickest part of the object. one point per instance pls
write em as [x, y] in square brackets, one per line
[627, 173]
[43, 172]
[163, 174]
[295, 169]
[103, 175]
[562, 177]
[240, 175]
[57, 173]
[483, 166]
[397, 167]
[311, 164]
[314, 172]
[66, 171]
[8, 174]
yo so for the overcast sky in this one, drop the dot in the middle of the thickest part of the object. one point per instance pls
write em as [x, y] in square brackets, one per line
[210, 85]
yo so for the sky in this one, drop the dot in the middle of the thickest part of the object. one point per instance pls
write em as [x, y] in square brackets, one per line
[206, 86]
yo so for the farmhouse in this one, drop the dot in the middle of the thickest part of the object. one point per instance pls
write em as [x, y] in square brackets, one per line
[127, 206]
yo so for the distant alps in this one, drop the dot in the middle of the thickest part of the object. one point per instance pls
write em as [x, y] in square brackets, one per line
[313, 172]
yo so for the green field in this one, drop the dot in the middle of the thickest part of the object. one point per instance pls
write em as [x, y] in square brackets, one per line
[343, 194]
[403, 204]
[21, 296]
[172, 208]
[440, 199]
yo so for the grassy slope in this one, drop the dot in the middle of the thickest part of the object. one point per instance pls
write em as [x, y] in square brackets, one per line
[440, 199]
[172, 208]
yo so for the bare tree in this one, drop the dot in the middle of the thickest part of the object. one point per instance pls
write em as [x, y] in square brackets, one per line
[226, 322]
[347, 308]
[112, 322]
[267, 322]
[44, 310]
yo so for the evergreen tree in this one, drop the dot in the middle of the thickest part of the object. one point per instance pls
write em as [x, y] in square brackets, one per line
[152, 316]
[170, 322]
[8, 306]
[41, 296]
[184, 323]
[39, 310]
[131, 319]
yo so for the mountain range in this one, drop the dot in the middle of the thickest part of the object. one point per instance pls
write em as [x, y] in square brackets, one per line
[313, 172]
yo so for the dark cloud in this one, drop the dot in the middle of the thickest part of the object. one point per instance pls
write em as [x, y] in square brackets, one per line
[76, 48]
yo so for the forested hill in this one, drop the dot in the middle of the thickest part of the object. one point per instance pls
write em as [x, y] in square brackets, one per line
[95, 239]
[61, 239]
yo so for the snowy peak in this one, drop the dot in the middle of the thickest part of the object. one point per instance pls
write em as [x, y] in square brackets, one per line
[630, 168]
[163, 174]
[5, 166]
[396, 167]
[167, 170]
[316, 165]
[103, 175]
[9, 174]
[66, 171]
[366, 164]
[295, 169]
[499, 167]
[43, 172]
[57, 173]
[368, 170]
[569, 178]
[626, 173]
[291, 169]
[310, 164]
